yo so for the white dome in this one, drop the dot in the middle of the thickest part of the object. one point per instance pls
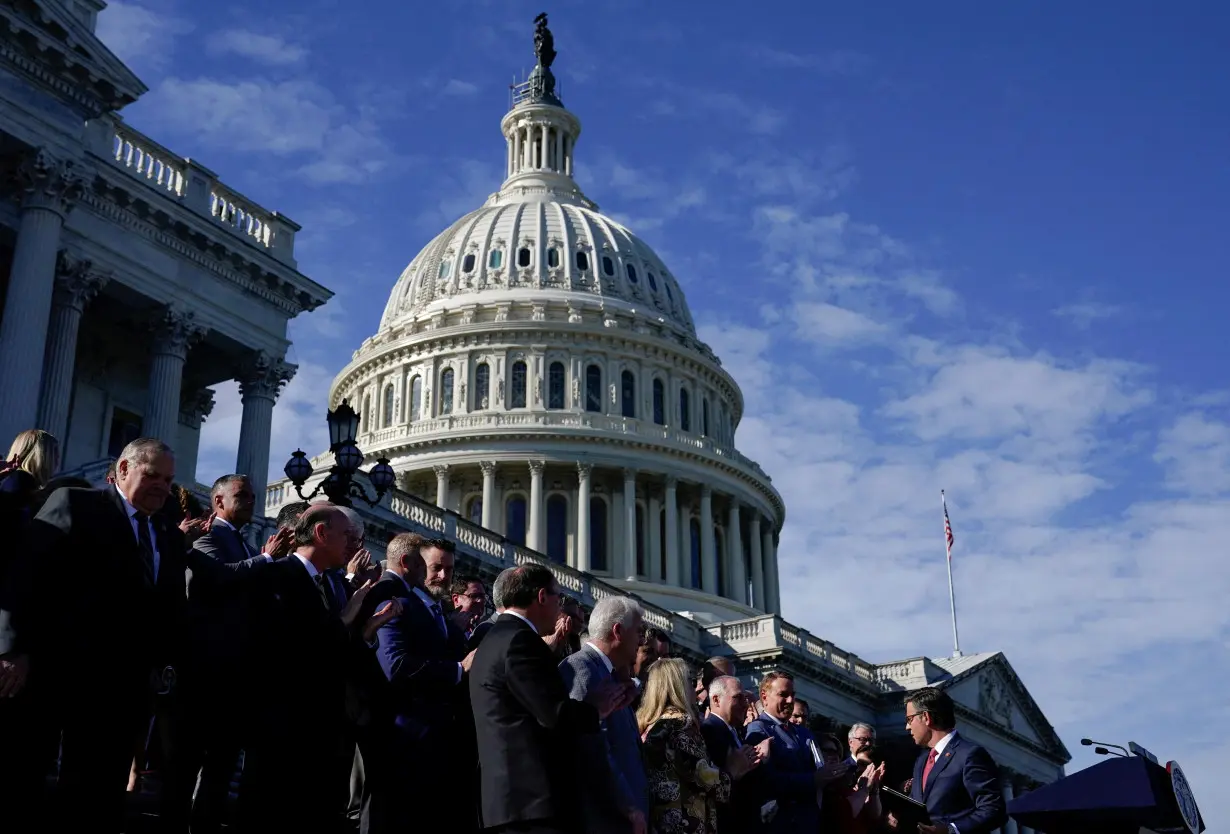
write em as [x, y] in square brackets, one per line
[540, 246]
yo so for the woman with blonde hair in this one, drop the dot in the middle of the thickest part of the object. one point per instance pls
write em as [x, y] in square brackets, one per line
[33, 458]
[685, 787]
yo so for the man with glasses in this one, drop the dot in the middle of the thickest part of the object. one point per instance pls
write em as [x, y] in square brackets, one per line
[861, 740]
[956, 779]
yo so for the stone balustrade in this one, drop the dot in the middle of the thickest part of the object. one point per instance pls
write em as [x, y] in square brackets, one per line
[193, 186]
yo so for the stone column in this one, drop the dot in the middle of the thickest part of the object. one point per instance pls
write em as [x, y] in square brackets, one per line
[708, 558]
[757, 563]
[48, 188]
[441, 471]
[772, 594]
[76, 285]
[194, 407]
[734, 553]
[1010, 827]
[260, 382]
[175, 331]
[629, 524]
[534, 532]
[584, 471]
[488, 468]
[654, 554]
[674, 559]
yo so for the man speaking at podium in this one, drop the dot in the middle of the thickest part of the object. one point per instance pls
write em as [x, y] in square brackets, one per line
[956, 779]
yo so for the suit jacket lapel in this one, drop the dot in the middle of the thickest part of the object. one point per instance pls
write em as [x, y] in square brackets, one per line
[941, 762]
[124, 534]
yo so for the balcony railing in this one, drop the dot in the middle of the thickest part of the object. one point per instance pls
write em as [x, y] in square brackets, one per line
[193, 186]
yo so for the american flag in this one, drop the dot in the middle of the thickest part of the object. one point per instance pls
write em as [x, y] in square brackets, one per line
[947, 525]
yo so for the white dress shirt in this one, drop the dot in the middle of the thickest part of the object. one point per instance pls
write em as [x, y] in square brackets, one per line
[149, 524]
[311, 569]
[606, 661]
[522, 618]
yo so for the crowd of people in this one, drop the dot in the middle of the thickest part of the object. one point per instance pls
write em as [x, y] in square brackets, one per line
[137, 626]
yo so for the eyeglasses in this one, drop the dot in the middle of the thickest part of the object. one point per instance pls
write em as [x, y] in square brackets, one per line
[909, 718]
[865, 738]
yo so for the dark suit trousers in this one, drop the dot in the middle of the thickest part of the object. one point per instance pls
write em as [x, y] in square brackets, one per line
[28, 746]
[201, 734]
[281, 788]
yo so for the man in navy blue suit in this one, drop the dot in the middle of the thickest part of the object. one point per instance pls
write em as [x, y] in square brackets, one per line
[956, 779]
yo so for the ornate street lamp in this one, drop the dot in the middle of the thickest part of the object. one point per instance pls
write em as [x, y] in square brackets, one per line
[339, 486]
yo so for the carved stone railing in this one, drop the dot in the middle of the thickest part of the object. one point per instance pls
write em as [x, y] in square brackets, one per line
[193, 186]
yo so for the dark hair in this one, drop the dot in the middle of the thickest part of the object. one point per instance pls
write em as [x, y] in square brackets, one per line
[656, 635]
[460, 583]
[289, 514]
[804, 704]
[305, 527]
[110, 476]
[525, 583]
[223, 482]
[937, 703]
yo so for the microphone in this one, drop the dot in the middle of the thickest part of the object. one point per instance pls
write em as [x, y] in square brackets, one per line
[1102, 751]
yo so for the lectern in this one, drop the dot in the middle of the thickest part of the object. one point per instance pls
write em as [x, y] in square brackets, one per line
[1130, 795]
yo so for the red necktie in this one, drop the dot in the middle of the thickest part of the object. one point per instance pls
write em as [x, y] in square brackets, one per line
[927, 769]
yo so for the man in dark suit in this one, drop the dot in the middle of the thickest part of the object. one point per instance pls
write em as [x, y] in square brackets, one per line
[614, 789]
[425, 734]
[498, 589]
[102, 644]
[722, 730]
[789, 776]
[522, 713]
[956, 779]
[298, 695]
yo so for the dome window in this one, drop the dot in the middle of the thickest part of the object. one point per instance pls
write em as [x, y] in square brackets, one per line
[444, 268]
[659, 402]
[627, 383]
[517, 400]
[416, 398]
[608, 265]
[685, 415]
[669, 294]
[496, 259]
[467, 263]
[555, 385]
[523, 257]
[653, 282]
[582, 261]
[552, 257]
[482, 386]
[593, 388]
[632, 273]
[446, 391]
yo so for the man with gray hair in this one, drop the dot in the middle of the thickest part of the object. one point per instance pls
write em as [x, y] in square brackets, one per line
[615, 793]
[861, 738]
[499, 591]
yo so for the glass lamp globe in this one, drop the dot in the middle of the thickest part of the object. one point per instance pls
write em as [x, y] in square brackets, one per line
[382, 475]
[298, 468]
[349, 458]
[343, 425]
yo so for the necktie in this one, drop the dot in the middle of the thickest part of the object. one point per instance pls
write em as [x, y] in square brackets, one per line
[146, 543]
[439, 615]
[323, 590]
[243, 543]
[927, 769]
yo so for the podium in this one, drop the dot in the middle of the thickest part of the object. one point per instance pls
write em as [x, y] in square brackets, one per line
[1118, 796]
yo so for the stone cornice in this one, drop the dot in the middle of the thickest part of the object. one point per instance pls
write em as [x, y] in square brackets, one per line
[547, 334]
[127, 203]
[61, 55]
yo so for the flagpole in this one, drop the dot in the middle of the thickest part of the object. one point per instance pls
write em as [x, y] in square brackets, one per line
[952, 594]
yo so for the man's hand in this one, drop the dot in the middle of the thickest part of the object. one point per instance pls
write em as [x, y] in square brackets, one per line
[906, 785]
[639, 826]
[468, 661]
[194, 528]
[391, 610]
[890, 820]
[280, 543]
[14, 670]
[359, 562]
[351, 611]
[831, 773]
[610, 697]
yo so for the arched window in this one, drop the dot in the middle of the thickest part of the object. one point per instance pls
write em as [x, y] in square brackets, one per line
[552, 257]
[416, 398]
[669, 294]
[388, 406]
[694, 529]
[632, 273]
[642, 558]
[514, 524]
[523, 257]
[467, 263]
[627, 384]
[496, 259]
[475, 512]
[516, 397]
[593, 388]
[365, 417]
[659, 402]
[719, 547]
[557, 529]
[446, 391]
[704, 415]
[597, 534]
[653, 283]
[445, 265]
[482, 386]
[685, 418]
[555, 385]
[608, 266]
[582, 261]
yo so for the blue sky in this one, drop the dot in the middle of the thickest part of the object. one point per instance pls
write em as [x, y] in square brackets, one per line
[964, 248]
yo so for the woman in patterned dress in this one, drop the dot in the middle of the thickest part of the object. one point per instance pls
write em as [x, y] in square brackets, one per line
[685, 787]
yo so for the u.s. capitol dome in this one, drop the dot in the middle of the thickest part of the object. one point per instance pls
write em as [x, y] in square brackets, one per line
[537, 371]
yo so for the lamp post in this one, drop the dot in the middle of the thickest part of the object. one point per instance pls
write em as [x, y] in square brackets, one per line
[339, 487]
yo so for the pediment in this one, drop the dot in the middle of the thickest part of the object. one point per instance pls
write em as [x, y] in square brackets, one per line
[992, 690]
[57, 51]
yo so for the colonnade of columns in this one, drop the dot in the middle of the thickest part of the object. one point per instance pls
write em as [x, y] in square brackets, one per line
[661, 537]
[48, 293]
[1012, 784]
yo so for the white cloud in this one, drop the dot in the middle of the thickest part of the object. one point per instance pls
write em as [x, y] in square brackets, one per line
[1086, 313]
[142, 37]
[287, 118]
[832, 325]
[1195, 453]
[456, 87]
[255, 46]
